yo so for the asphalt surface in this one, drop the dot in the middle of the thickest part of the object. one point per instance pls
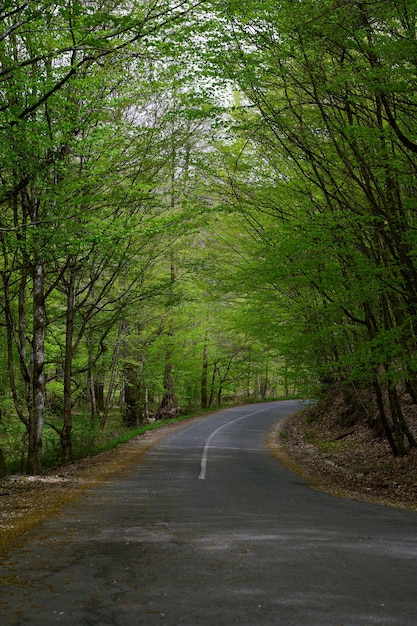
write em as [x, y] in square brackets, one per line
[209, 529]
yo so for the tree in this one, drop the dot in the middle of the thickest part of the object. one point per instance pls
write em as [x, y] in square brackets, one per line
[329, 109]
[54, 63]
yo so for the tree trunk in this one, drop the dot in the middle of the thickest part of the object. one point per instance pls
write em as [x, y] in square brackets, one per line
[37, 412]
[92, 394]
[112, 381]
[169, 405]
[204, 372]
[91, 378]
[263, 387]
[285, 381]
[213, 379]
[99, 393]
[410, 385]
[65, 435]
[132, 410]
[10, 355]
[384, 420]
[3, 469]
[399, 420]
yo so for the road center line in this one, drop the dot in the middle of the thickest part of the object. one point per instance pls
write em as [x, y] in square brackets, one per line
[209, 439]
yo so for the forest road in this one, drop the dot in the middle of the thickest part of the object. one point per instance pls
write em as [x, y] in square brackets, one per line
[209, 529]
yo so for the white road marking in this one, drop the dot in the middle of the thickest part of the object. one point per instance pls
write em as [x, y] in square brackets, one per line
[203, 464]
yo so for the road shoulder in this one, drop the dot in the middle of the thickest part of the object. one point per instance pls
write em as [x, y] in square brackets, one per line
[345, 463]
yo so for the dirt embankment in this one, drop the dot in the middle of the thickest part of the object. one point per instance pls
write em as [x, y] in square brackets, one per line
[338, 452]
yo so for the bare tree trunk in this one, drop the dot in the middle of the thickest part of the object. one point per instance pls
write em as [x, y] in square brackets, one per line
[264, 384]
[10, 356]
[91, 378]
[169, 405]
[65, 434]
[401, 426]
[204, 372]
[132, 410]
[3, 469]
[22, 338]
[37, 412]
[112, 382]
[286, 387]
[384, 420]
[99, 392]
[213, 378]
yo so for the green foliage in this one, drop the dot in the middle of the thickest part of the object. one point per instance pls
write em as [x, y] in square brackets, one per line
[322, 176]
[219, 202]
[91, 148]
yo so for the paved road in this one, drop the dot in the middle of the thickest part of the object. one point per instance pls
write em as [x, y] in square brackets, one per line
[210, 530]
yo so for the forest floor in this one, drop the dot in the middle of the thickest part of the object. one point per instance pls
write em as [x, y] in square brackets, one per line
[346, 462]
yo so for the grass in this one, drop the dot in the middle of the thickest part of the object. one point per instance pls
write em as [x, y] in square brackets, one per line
[324, 445]
[87, 438]
[331, 446]
[128, 435]
[310, 437]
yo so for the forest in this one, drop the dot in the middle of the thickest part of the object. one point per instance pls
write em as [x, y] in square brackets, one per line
[203, 202]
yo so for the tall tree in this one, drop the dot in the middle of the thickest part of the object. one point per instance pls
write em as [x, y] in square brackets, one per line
[329, 107]
[57, 66]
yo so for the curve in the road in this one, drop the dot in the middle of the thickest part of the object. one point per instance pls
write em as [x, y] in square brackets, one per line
[204, 457]
[251, 545]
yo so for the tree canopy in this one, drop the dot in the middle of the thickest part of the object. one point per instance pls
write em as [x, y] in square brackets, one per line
[205, 202]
